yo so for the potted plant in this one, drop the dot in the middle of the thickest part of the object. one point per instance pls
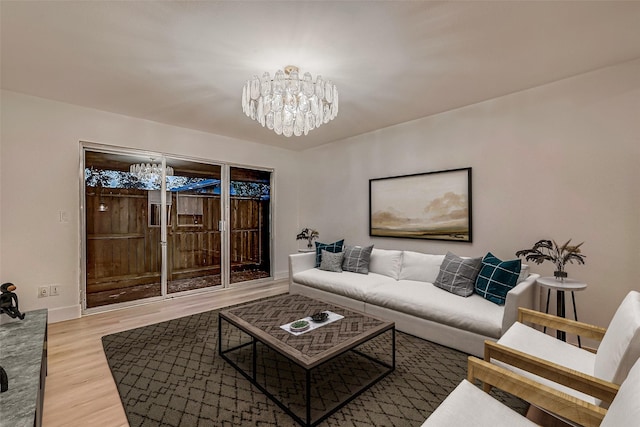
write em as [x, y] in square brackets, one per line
[308, 234]
[560, 255]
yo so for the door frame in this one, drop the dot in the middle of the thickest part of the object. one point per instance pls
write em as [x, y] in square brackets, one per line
[225, 210]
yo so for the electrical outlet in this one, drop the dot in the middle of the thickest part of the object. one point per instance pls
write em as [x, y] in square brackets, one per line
[54, 290]
[43, 291]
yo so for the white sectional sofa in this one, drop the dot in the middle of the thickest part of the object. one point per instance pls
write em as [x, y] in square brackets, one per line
[399, 287]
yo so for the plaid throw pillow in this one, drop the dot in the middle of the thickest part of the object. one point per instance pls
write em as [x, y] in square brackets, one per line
[496, 278]
[458, 275]
[356, 259]
[329, 247]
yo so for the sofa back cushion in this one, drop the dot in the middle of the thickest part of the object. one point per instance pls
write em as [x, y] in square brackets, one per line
[620, 347]
[386, 262]
[420, 267]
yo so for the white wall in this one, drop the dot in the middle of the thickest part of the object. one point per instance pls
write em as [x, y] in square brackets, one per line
[559, 161]
[39, 176]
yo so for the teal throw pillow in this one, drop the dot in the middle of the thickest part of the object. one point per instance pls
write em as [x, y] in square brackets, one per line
[496, 278]
[329, 247]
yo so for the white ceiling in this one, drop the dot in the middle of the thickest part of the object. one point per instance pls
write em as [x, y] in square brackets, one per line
[184, 63]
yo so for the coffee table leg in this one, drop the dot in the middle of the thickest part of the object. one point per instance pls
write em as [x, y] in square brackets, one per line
[219, 335]
[308, 396]
[255, 355]
[393, 348]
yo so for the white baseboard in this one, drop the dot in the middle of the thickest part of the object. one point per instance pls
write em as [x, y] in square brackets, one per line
[75, 311]
[65, 313]
[281, 275]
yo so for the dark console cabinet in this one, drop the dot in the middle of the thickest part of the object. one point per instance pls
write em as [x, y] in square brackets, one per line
[23, 354]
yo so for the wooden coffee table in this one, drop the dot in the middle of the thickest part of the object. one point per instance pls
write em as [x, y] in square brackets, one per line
[331, 359]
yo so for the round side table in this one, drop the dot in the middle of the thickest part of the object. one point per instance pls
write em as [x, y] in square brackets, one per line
[560, 286]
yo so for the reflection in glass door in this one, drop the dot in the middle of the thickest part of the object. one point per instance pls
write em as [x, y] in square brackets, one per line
[194, 239]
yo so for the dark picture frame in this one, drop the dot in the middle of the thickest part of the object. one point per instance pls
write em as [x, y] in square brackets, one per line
[430, 205]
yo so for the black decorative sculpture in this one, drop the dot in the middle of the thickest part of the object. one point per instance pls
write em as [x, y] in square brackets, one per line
[4, 380]
[7, 299]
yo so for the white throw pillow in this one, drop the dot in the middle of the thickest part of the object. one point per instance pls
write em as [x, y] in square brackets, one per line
[420, 267]
[386, 262]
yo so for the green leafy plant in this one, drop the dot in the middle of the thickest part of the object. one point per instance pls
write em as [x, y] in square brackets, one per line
[560, 255]
[299, 324]
[308, 234]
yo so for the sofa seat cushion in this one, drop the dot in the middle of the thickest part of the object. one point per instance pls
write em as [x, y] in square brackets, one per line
[348, 284]
[424, 300]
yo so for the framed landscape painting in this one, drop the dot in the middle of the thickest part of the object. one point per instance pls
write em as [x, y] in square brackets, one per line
[431, 205]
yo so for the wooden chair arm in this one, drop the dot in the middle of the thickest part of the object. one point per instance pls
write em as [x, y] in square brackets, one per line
[576, 380]
[542, 396]
[586, 330]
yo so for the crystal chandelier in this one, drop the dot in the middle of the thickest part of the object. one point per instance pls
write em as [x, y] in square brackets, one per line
[290, 105]
[149, 171]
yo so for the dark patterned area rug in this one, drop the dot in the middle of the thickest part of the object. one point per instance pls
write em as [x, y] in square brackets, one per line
[169, 374]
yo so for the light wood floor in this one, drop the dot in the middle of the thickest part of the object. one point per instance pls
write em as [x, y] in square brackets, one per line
[79, 387]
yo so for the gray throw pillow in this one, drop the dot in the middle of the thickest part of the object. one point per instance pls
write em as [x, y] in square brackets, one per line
[331, 261]
[356, 259]
[458, 275]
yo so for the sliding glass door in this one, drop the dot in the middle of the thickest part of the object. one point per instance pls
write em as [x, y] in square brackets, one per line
[249, 224]
[194, 238]
[122, 231]
[156, 226]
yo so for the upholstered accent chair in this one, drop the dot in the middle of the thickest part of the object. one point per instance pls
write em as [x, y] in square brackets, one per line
[467, 405]
[565, 367]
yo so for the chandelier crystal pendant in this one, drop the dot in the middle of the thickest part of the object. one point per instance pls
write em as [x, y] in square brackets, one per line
[289, 105]
[149, 171]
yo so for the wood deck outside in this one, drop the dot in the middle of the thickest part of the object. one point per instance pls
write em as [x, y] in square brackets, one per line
[148, 290]
[123, 244]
